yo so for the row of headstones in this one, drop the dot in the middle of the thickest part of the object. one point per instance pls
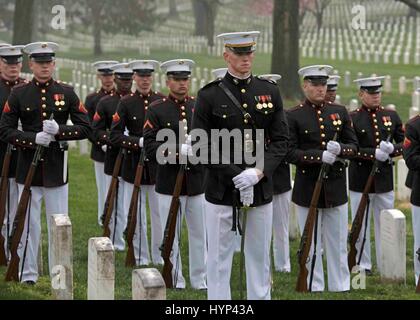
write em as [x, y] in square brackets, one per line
[368, 57]
[147, 284]
[397, 42]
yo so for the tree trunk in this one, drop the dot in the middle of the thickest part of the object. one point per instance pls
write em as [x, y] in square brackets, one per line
[285, 59]
[97, 28]
[23, 17]
[319, 19]
[200, 14]
[211, 18]
[173, 10]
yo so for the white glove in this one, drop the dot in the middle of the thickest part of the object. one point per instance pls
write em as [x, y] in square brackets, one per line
[126, 133]
[43, 139]
[328, 158]
[51, 127]
[247, 179]
[334, 147]
[381, 156]
[141, 142]
[104, 148]
[186, 150]
[387, 147]
[247, 197]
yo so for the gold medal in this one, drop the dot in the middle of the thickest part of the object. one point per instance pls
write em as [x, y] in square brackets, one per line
[270, 105]
[57, 103]
[339, 122]
[265, 106]
[63, 103]
[335, 123]
[259, 106]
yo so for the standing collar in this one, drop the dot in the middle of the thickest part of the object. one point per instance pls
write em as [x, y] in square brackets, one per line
[43, 85]
[315, 106]
[237, 81]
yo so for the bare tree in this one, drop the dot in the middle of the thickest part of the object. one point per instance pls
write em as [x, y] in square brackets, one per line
[317, 8]
[285, 59]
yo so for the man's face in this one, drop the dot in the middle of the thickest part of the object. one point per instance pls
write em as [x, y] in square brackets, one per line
[144, 82]
[107, 81]
[123, 84]
[370, 100]
[331, 96]
[42, 70]
[315, 92]
[178, 87]
[10, 71]
[239, 63]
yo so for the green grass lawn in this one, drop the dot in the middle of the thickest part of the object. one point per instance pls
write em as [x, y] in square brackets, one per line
[83, 215]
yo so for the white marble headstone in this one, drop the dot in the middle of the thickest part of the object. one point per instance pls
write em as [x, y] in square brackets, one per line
[101, 269]
[148, 284]
[393, 246]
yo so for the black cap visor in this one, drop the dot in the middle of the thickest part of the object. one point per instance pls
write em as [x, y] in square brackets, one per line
[124, 76]
[144, 72]
[105, 72]
[317, 80]
[12, 59]
[43, 57]
[372, 90]
[179, 75]
[242, 50]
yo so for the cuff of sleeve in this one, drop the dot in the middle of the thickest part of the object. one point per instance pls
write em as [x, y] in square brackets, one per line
[312, 157]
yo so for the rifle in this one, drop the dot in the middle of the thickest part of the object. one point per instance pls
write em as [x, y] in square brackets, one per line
[12, 273]
[418, 282]
[4, 191]
[362, 209]
[112, 195]
[169, 236]
[130, 260]
[306, 240]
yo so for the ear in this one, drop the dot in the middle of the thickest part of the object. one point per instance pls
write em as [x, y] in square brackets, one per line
[31, 65]
[226, 56]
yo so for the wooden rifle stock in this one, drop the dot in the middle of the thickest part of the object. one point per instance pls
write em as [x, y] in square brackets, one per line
[130, 260]
[360, 216]
[307, 235]
[12, 273]
[111, 195]
[170, 229]
[4, 191]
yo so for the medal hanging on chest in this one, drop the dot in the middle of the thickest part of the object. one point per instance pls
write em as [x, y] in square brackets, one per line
[59, 100]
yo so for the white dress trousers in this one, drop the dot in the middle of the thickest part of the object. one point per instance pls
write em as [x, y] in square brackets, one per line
[101, 186]
[281, 250]
[222, 245]
[194, 211]
[333, 230]
[56, 202]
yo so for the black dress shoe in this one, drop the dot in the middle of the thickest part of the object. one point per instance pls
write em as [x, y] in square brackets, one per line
[30, 283]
